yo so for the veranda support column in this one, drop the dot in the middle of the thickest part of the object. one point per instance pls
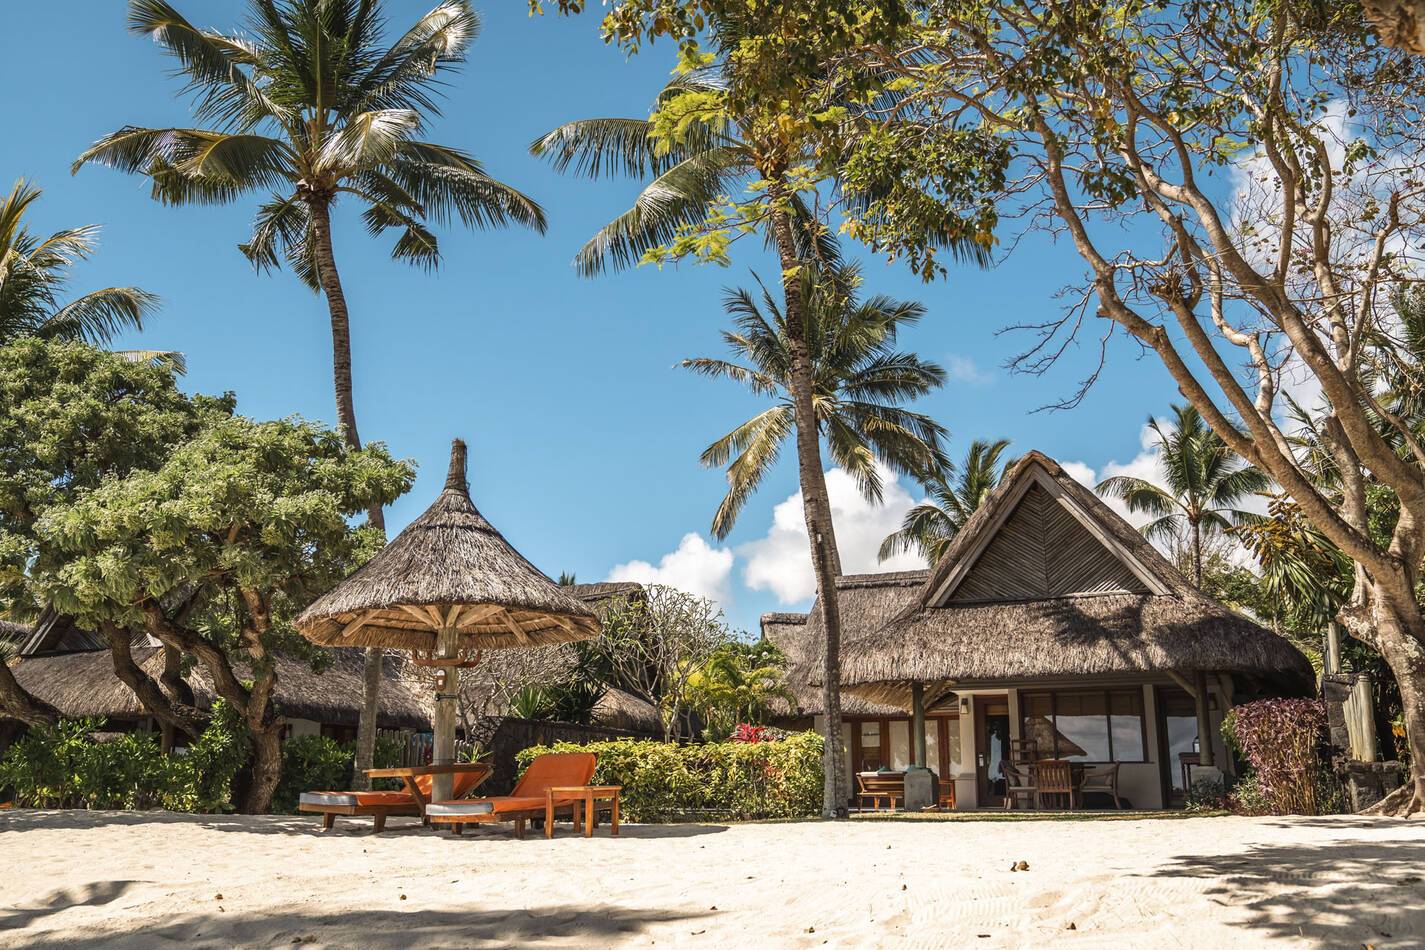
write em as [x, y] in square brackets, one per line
[917, 724]
[1204, 724]
[448, 688]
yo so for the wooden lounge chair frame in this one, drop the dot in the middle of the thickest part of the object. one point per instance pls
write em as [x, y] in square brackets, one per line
[380, 811]
[576, 800]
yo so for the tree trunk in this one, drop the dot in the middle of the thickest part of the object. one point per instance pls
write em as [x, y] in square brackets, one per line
[172, 713]
[1197, 554]
[266, 768]
[346, 421]
[1398, 23]
[816, 509]
[1399, 635]
[175, 686]
[18, 704]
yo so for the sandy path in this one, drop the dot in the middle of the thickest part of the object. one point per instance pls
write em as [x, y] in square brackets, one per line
[156, 880]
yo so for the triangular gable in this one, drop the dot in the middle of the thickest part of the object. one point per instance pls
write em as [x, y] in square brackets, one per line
[1043, 544]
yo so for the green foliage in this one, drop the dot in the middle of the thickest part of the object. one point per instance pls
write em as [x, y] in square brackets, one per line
[307, 103]
[737, 684]
[251, 506]
[311, 763]
[954, 493]
[1206, 795]
[33, 275]
[860, 383]
[1205, 481]
[71, 416]
[62, 767]
[716, 780]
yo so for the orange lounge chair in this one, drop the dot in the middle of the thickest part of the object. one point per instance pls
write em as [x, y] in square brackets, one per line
[413, 800]
[530, 798]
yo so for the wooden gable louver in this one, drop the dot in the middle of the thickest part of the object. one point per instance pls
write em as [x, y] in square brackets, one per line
[1042, 550]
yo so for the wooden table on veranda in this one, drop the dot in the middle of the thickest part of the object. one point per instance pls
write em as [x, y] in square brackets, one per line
[586, 800]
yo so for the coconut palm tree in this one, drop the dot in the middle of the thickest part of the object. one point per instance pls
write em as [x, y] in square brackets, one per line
[953, 494]
[34, 272]
[859, 381]
[1205, 481]
[313, 108]
[720, 149]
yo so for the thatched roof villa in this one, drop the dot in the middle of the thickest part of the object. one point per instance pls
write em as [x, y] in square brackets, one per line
[1050, 620]
[328, 702]
[70, 668]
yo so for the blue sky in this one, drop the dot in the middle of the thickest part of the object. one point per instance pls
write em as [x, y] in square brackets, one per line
[584, 433]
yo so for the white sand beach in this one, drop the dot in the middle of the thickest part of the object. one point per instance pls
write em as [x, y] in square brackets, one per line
[144, 880]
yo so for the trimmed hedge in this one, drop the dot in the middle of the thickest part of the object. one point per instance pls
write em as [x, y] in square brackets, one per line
[736, 781]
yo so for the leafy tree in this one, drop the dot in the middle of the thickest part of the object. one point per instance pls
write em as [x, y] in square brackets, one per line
[1205, 480]
[312, 106]
[653, 645]
[859, 380]
[70, 417]
[1124, 120]
[739, 683]
[955, 493]
[737, 145]
[34, 272]
[215, 551]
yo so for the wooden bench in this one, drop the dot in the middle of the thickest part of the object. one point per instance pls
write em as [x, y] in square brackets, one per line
[878, 787]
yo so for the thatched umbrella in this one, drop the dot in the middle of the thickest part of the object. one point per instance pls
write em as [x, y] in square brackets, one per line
[447, 588]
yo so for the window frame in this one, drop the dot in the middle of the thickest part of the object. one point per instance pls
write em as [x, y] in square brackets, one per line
[1106, 694]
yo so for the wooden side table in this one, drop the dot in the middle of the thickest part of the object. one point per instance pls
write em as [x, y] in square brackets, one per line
[586, 800]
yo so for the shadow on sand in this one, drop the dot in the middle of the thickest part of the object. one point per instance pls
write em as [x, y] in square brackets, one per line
[570, 925]
[94, 894]
[1348, 890]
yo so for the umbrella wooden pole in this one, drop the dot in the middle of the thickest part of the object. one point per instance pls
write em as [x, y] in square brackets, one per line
[447, 648]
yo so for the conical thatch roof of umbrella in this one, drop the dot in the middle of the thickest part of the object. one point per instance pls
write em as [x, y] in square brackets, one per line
[448, 567]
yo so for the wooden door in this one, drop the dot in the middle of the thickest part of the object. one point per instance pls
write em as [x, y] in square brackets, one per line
[991, 747]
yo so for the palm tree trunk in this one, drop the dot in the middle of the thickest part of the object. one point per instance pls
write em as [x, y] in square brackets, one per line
[346, 421]
[1197, 554]
[816, 509]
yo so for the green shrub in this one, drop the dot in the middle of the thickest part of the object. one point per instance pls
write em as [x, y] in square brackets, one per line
[308, 763]
[1206, 795]
[723, 780]
[63, 767]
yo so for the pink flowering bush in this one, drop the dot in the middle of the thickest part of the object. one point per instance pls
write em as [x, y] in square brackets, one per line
[1284, 741]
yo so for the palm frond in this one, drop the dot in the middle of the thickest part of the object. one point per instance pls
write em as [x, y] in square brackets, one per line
[101, 315]
[678, 198]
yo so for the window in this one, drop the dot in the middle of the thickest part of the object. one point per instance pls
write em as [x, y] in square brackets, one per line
[1085, 725]
[871, 759]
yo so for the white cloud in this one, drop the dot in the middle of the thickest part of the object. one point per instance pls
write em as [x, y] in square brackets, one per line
[694, 566]
[780, 561]
[963, 369]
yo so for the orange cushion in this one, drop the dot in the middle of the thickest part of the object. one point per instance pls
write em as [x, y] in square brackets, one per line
[384, 798]
[465, 783]
[556, 769]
